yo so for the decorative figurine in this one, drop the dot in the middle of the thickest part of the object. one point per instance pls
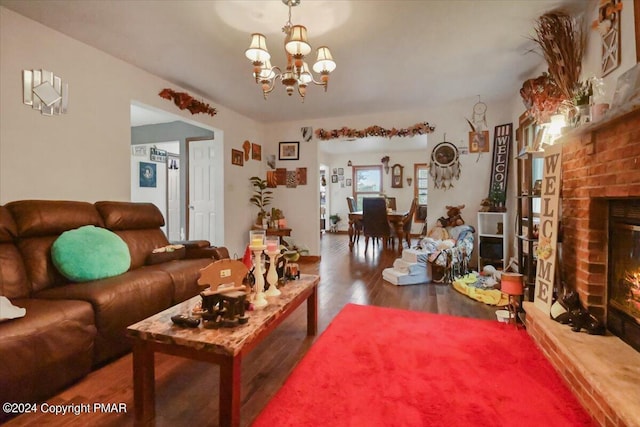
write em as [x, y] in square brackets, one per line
[224, 301]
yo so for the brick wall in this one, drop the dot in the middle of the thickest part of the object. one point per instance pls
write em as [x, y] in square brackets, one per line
[599, 163]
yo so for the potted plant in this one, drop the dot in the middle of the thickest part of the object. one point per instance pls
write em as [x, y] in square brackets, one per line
[261, 196]
[498, 197]
[335, 219]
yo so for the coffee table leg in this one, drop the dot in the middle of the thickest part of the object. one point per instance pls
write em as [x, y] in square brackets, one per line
[143, 383]
[230, 383]
[312, 312]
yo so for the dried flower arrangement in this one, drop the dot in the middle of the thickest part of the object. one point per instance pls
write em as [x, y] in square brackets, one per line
[541, 97]
[185, 101]
[345, 132]
[562, 42]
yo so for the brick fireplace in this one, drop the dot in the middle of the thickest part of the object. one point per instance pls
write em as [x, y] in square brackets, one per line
[600, 164]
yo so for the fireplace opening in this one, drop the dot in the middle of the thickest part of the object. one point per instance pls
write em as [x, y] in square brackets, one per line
[623, 307]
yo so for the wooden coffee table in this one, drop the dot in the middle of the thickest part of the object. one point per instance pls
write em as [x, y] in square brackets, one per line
[225, 346]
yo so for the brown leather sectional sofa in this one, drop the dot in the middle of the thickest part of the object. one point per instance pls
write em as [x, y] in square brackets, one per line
[71, 328]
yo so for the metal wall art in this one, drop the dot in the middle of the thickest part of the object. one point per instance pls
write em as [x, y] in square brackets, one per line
[445, 165]
[45, 92]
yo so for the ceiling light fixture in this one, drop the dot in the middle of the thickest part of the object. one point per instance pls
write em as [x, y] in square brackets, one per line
[297, 71]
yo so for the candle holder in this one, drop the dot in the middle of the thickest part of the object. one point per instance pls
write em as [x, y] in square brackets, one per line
[257, 245]
[273, 251]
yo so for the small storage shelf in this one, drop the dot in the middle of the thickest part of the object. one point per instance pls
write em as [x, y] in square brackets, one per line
[493, 242]
[528, 204]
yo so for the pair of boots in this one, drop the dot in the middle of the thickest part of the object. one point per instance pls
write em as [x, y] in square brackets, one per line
[568, 311]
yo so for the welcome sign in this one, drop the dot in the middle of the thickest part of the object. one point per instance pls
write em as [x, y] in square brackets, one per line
[500, 164]
[548, 235]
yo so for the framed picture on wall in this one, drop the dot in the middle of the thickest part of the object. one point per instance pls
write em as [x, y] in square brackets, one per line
[148, 175]
[479, 142]
[289, 151]
[348, 182]
[236, 157]
[256, 151]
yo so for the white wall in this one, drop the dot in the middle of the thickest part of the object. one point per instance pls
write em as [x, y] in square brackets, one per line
[85, 154]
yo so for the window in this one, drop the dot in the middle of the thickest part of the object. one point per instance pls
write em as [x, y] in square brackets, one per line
[421, 174]
[367, 182]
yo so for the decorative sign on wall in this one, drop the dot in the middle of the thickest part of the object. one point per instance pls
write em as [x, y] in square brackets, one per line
[156, 155]
[608, 25]
[500, 163]
[548, 234]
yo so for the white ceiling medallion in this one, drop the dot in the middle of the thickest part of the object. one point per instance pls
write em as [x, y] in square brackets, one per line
[45, 92]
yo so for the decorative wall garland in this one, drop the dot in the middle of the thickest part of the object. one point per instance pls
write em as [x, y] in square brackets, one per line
[185, 101]
[345, 132]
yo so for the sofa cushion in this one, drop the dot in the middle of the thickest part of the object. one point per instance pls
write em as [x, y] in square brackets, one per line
[38, 224]
[117, 303]
[51, 217]
[184, 275]
[90, 253]
[45, 351]
[130, 215]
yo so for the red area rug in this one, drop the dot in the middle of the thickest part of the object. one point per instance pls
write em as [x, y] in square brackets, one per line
[387, 367]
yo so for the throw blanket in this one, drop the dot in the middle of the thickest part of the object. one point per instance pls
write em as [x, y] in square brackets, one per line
[466, 286]
[450, 253]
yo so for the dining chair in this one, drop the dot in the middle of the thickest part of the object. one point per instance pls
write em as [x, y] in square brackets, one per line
[407, 222]
[357, 224]
[374, 220]
[391, 203]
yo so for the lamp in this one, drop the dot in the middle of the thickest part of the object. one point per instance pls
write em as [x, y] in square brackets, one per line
[297, 71]
[511, 284]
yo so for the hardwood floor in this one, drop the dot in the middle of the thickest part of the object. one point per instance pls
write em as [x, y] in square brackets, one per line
[186, 391]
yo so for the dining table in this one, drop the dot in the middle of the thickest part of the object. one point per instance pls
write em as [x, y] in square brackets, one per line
[395, 219]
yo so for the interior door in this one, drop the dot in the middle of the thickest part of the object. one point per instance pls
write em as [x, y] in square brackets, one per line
[204, 170]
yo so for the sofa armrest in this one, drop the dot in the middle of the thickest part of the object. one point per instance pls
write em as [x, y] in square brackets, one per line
[193, 243]
[220, 252]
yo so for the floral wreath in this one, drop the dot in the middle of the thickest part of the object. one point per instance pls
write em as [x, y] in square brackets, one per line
[345, 132]
[185, 101]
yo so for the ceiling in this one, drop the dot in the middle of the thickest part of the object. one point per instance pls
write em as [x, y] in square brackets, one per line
[391, 55]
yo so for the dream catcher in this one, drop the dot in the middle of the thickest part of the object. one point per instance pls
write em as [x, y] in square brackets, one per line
[445, 165]
[479, 135]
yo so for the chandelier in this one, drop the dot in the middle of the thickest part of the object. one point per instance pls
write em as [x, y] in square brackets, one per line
[296, 75]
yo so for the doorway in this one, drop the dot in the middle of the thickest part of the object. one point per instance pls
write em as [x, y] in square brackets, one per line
[150, 126]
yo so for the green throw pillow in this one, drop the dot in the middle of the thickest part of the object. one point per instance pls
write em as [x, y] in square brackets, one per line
[90, 253]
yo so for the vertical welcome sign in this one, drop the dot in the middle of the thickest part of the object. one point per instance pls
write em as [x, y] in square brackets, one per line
[548, 234]
[500, 164]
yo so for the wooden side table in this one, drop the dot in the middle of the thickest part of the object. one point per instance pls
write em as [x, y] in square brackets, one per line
[279, 232]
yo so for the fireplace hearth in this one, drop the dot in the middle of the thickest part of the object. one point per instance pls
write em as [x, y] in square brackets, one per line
[623, 302]
[600, 165]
